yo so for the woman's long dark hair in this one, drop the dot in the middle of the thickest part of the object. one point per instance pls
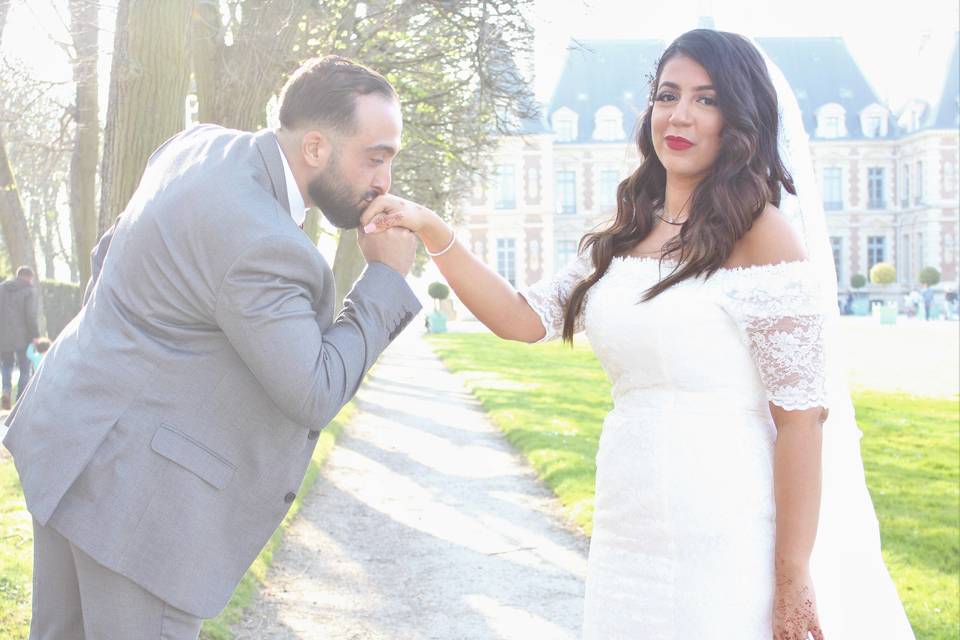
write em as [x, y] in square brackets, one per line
[746, 175]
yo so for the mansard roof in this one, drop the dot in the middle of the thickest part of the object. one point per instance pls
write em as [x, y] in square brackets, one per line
[617, 72]
[606, 72]
[946, 111]
[822, 71]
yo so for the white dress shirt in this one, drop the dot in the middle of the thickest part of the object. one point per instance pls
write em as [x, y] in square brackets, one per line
[298, 210]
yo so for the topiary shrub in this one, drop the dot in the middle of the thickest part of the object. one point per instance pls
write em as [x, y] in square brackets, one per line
[61, 302]
[929, 276]
[438, 291]
[883, 273]
[858, 281]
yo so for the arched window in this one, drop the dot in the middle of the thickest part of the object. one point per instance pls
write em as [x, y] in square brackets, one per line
[831, 121]
[608, 124]
[564, 122]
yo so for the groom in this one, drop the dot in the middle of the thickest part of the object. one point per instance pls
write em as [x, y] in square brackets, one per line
[164, 436]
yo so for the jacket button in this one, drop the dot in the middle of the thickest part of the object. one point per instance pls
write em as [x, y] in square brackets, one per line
[289, 497]
[313, 435]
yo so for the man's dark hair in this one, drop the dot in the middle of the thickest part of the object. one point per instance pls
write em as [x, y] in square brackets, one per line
[323, 92]
[24, 272]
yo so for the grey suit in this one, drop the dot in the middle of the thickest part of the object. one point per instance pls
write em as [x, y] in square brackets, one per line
[170, 424]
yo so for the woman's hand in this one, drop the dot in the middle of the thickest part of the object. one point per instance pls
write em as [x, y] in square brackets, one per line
[392, 211]
[795, 606]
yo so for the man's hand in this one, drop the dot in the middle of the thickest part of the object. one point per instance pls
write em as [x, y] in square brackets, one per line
[393, 247]
[390, 212]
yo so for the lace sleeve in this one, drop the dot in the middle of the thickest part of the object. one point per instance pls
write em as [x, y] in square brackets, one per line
[778, 309]
[548, 298]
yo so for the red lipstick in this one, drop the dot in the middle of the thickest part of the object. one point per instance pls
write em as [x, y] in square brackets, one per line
[678, 143]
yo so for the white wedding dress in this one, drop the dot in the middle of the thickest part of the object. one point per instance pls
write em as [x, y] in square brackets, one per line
[684, 520]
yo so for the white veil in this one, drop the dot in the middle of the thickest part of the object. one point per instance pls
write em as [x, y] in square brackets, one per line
[850, 578]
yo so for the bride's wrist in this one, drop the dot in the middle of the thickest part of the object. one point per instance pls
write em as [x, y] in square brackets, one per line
[435, 233]
[792, 564]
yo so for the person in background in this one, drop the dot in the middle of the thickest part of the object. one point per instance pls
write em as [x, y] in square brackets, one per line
[927, 306]
[18, 329]
[35, 353]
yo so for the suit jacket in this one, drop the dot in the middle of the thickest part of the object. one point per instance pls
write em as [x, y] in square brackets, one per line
[18, 314]
[171, 422]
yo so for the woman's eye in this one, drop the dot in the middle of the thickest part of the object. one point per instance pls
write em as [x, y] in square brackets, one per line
[376, 161]
[710, 101]
[666, 96]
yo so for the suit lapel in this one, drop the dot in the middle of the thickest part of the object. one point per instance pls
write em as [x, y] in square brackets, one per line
[266, 142]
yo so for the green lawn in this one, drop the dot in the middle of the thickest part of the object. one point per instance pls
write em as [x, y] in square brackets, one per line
[550, 403]
[16, 549]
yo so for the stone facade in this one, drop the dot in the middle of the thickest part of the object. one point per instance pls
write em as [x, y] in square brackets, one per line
[890, 194]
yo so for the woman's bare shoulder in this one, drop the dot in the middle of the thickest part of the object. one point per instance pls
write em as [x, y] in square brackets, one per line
[770, 240]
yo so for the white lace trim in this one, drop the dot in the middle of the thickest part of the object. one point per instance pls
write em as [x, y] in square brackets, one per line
[778, 308]
[548, 298]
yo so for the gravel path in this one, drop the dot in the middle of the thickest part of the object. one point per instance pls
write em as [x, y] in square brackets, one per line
[424, 524]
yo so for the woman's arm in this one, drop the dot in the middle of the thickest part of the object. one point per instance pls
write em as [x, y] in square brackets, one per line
[796, 462]
[488, 296]
[796, 479]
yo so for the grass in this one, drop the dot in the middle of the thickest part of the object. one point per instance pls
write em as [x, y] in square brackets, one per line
[16, 555]
[16, 548]
[550, 403]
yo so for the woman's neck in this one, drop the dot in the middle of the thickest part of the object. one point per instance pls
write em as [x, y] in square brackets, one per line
[678, 194]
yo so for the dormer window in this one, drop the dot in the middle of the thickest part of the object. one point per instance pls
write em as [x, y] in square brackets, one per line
[831, 121]
[873, 121]
[912, 116]
[608, 124]
[564, 123]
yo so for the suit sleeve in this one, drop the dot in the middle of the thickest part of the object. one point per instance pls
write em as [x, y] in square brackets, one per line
[267, 307]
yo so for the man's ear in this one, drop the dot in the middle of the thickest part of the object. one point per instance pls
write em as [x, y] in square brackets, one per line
[316, 148]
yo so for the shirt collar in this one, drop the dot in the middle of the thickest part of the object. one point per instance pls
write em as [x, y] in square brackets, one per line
[298, 210]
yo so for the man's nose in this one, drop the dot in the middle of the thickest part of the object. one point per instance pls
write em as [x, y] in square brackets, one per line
[382, 179]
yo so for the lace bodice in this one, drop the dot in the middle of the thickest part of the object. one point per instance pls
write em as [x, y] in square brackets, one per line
[737, 332]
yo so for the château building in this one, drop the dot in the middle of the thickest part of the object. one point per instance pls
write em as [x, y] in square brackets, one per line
[889, 181]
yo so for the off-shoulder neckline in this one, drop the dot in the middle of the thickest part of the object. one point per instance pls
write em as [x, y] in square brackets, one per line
[773, 266]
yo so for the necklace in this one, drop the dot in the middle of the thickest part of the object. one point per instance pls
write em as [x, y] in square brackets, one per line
[675, 220]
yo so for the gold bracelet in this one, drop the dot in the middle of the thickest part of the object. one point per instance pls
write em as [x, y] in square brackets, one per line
[453, 240]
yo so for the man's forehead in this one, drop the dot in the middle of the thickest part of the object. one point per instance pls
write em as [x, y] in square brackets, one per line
[378, 123]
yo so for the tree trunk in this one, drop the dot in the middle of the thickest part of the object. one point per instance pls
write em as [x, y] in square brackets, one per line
[348, 264]
[148, 89]
[207, 51]
[311, 225]
[4, 7]
[13, 222]
[234, 83]
[83, 163]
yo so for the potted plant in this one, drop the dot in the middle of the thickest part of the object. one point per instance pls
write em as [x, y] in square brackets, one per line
[884, 273]
[860, 305]
[929, 276]
[436, 321]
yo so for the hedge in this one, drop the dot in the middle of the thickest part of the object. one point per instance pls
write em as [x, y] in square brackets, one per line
[61, 301]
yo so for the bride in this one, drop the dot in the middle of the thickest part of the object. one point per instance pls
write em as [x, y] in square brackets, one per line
[727, 504]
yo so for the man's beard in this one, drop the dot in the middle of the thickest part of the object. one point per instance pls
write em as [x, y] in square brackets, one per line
[333, 196]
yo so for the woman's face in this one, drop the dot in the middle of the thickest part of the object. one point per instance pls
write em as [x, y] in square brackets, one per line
[686, 121]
